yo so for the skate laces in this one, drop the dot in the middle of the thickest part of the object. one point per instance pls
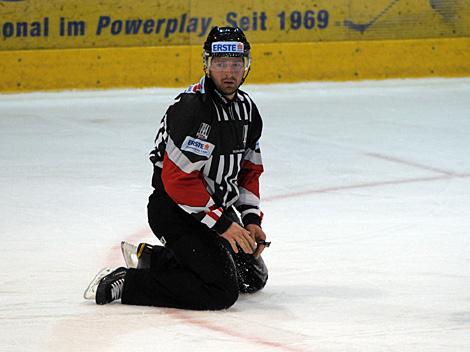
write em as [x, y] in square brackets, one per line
[116, 289]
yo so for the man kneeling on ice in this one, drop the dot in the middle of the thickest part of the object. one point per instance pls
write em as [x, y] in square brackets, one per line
[207, 165]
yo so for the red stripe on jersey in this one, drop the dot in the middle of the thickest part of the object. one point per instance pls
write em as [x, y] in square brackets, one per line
[183, 188]
[249, 176]
[213, 215]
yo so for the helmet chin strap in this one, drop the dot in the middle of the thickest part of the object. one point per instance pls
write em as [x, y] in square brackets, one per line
[245, 75]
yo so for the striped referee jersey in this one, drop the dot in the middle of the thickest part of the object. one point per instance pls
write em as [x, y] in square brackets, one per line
[207, 156]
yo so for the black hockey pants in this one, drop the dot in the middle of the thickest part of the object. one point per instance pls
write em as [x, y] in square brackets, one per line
[196, 269]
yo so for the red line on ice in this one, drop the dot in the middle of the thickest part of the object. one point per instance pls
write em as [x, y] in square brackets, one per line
[357, 186]
[254, 338]
[412, 163]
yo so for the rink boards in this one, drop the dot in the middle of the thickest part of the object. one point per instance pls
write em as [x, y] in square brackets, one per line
[64, 45]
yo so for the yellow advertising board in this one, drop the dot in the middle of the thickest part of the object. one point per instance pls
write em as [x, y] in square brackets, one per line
[59, 44]
[28, 24]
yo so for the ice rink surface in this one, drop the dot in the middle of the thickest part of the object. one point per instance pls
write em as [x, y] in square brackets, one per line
[366, 195]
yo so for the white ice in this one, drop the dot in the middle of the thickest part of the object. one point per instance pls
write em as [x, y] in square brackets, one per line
[366, 195]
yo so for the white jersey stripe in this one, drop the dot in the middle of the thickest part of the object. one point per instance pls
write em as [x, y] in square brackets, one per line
[247, 197]
[208, 221]
[250, 108]
[217, 111]
[220, 170]
[229, 176]
[237, 110]
[253, 156]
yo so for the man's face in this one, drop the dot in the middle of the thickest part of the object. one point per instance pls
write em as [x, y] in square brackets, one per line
[227, 74]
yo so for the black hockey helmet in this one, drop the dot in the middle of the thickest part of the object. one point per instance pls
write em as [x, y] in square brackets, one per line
[227, 41]
[223, 35]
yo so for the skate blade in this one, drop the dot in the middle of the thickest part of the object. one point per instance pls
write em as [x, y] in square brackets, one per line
[129, 253]
[90, 291]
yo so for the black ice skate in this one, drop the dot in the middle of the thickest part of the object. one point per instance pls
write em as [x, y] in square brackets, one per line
[107, 286]
[136, 256]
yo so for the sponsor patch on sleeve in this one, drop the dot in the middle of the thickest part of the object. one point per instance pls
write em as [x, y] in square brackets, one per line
[197, 146]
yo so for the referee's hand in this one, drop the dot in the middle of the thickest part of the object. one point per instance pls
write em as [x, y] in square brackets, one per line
[258, 235]
[236, 234]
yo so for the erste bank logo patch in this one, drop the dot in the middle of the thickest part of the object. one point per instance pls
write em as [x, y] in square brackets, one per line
[197, 146]
[227, 47]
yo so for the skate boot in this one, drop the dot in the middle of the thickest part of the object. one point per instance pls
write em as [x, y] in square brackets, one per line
[136, 256]
[107, 286]
[90, 292]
